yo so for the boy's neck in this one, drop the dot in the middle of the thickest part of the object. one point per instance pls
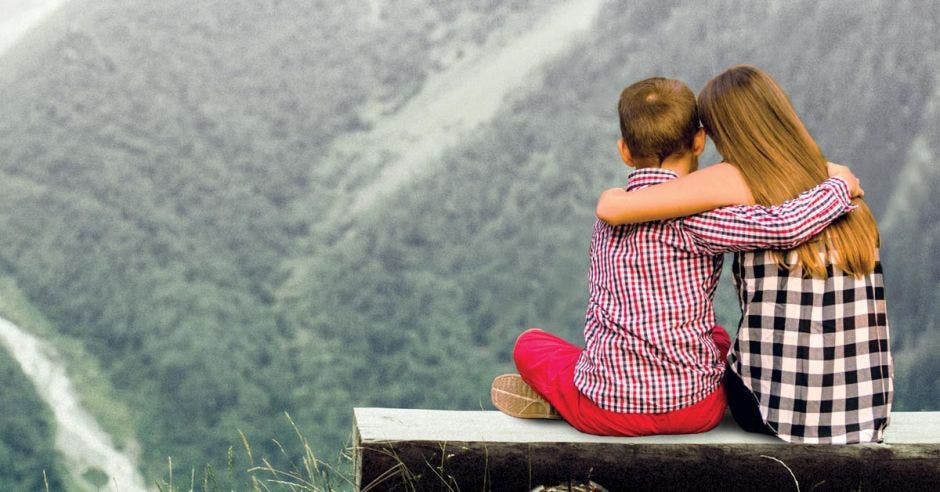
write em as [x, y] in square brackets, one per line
[680, 164]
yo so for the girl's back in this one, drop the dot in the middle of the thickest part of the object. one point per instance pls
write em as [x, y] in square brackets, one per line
[814, 351]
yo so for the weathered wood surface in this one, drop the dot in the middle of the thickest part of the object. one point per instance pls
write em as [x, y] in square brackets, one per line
[405, 449]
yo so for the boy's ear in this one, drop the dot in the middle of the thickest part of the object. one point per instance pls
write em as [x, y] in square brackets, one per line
[625, 153]
[698, 142]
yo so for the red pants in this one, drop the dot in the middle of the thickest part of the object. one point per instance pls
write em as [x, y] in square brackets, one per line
[546, 362]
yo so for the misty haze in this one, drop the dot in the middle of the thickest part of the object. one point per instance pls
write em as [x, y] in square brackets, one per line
[214, 213]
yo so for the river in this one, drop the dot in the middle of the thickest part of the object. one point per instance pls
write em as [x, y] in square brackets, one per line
[78, 437]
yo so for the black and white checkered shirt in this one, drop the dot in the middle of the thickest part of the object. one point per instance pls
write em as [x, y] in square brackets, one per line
[814, 351]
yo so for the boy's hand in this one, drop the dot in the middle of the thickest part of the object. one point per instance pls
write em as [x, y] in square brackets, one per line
[840, 171]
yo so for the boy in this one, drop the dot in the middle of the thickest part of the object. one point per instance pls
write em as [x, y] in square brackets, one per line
[653, 358]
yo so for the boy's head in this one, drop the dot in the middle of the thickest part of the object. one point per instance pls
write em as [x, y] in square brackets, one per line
[658, 118]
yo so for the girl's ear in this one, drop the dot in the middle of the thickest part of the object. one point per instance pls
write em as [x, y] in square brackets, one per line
[698, 142]
[625, 153]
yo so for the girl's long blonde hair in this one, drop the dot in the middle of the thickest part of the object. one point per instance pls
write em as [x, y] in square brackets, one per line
[756, 129]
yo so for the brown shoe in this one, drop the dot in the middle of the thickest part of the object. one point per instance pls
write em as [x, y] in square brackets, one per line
[512, 396]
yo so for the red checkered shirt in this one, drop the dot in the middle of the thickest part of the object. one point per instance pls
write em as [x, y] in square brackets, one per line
[648, 344]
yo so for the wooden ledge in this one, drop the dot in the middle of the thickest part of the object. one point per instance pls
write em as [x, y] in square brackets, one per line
[406, 449]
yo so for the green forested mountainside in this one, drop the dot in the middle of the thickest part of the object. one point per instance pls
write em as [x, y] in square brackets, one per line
[911, 237]
[169, 194]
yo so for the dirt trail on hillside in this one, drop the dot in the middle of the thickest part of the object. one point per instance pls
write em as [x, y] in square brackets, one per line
[454, 102]
[78, 437]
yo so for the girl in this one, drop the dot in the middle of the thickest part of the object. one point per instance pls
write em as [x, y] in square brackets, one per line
[811, 362]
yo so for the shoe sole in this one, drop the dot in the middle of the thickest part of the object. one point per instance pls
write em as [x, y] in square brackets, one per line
[512, 396]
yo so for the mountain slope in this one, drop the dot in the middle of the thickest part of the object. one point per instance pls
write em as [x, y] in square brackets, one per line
[149, 168]
[177, 177]
[911, 236]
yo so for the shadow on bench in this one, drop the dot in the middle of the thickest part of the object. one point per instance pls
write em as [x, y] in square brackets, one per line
[404, 449]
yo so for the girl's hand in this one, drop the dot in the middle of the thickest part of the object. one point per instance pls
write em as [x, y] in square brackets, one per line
[840, 171]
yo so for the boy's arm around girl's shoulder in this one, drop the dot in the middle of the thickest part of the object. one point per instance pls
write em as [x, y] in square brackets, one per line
[716, 186]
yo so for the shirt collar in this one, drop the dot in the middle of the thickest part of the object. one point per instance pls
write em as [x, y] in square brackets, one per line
[649, 176]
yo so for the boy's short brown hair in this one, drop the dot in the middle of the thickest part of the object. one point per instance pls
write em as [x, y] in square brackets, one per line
[658, 117]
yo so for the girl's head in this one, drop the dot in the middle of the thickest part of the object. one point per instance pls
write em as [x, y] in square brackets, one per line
[755, 128]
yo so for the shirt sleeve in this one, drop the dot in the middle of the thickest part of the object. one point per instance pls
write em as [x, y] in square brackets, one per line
[784, 226]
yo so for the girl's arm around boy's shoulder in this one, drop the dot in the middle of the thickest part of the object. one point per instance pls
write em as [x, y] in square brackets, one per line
[784, 226]
[715, 186]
